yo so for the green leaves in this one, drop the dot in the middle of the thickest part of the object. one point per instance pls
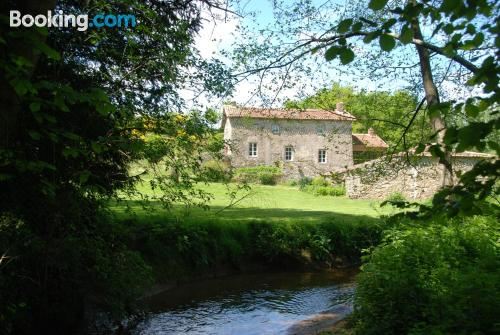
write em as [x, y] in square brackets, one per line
[47, 50]
[344, 26]
[371, 36]
[22, 86]
[377, 4]
[332, 52]
[449, 5]
[468, 137]
[346, 54]
[472, 110]
[387, 43]
[406, 35]
[84, 176]
[35, 106]
[357, 26]
[34, 135]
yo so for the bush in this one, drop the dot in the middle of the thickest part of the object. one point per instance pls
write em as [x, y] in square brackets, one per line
[304, 181]
[178, 250]
[437, 279]
[334, 191]
[92, 261]
[319, 181]
[216, 171]
[268, 178]
[282, 242]
[396, 197]
[319, 186]
[266, 175]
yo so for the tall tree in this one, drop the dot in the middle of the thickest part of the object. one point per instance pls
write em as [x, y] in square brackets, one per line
[384, 111]
[77, 107]
[457, 46]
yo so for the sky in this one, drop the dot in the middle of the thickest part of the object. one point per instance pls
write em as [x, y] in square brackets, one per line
[221, 33]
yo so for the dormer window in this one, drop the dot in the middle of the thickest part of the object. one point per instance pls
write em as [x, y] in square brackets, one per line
[275, 129]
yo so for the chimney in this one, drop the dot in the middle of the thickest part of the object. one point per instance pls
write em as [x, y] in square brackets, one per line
[371, 132]
[339, 107]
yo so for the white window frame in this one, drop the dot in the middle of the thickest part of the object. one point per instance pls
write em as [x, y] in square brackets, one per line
[275, 129]
[252, 149]
[322, 156]
[289, 149]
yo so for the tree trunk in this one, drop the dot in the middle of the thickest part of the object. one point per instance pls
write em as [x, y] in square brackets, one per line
[432, 99]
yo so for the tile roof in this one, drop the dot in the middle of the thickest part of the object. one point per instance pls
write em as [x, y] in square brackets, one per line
[368, 140]
[291, 114]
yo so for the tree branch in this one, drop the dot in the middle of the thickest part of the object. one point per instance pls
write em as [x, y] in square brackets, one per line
[459, 59]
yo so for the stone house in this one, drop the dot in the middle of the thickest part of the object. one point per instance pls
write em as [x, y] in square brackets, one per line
[303, 142]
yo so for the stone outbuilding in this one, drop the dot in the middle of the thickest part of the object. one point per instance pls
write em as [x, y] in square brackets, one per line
[367, 147]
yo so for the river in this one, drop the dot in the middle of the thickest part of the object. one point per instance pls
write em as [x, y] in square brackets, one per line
[269, 303]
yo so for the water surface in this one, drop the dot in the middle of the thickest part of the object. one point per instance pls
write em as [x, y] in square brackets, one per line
[248, 304]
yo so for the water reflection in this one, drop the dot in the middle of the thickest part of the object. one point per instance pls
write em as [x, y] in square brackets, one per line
[247, 304]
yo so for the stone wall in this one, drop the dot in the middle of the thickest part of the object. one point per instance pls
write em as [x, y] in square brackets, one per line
[418, 179]
[306, 137]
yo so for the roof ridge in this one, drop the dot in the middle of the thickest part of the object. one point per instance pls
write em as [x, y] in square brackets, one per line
[287, 113]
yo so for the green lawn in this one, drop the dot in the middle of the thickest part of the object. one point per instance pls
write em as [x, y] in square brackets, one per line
[272, 203]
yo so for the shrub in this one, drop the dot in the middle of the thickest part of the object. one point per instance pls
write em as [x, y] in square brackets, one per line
[282, 242]
[266, 175]
[278, 242]
[183, 249]
[319, 181]
[396, 197]
[333, 191]
[435, 279]
[268, 178]
[216, 171]
[91, 261]
[304, 181]
[319, 186]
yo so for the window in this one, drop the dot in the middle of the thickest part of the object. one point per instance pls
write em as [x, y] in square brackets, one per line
[252, 149]
[321, 156]
[289, 153]
[275, 129]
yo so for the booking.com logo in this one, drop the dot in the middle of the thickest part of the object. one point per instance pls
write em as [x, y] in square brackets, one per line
[81, 22]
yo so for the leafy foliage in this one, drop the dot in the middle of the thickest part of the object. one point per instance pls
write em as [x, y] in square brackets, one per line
[385, 112]
[216, 171]
[439, 277]
[266, 175]
[321, 187]
[457, 48]
[77, 109]
[183, 249]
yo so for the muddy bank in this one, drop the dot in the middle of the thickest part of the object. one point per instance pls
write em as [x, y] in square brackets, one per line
[321, 322]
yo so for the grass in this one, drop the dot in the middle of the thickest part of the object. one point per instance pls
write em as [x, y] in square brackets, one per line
[270, 203]
[278, 225]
